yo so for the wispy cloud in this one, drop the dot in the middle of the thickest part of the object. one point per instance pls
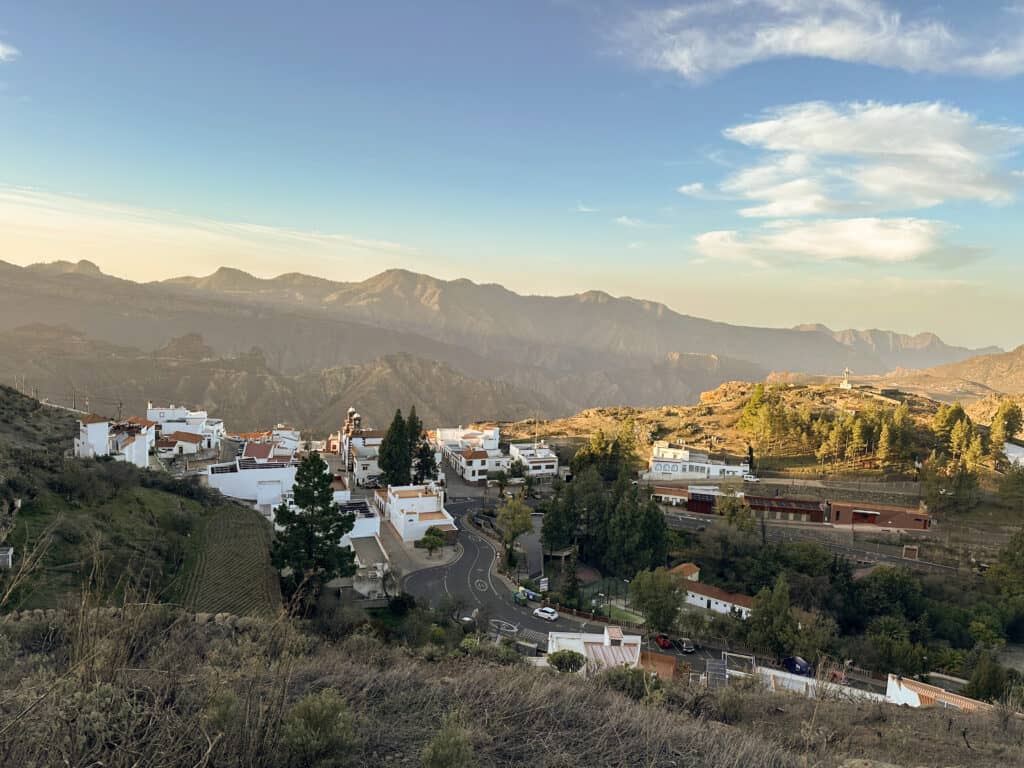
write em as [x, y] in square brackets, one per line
[8, 52]
[703, 39]
[583, 208]
[41, 226]
[636, 245]
[858, 158]
[629, 221]
[861, 240]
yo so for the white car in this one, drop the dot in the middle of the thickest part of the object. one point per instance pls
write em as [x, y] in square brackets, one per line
[751, 479]
[546, 613]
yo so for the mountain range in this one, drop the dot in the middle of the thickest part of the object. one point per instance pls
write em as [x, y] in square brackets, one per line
[474, 351]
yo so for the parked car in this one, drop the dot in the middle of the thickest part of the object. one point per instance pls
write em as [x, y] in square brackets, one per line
[797, 666]
[547, 613]
[663, 642]
[751, 479]
[686, 645]
[371, 482]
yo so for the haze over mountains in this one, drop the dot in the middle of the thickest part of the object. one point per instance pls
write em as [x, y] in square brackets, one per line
[303, 348]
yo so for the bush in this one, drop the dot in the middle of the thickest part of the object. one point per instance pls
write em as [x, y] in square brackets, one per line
[632, 682]
[451, 747]
[566, 661]
[318, 731]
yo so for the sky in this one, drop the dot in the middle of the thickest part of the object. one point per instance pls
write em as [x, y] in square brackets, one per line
[857, 163]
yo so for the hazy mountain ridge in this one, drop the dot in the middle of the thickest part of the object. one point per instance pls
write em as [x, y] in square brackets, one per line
[559, 354]
[568, 331]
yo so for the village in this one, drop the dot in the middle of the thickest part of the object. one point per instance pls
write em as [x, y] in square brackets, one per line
[418, 536]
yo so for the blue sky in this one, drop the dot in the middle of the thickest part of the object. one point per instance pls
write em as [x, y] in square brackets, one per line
[852, 162]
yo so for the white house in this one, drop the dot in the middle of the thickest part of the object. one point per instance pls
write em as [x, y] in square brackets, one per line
[93, 437]
[363, 462]
[177, 418]
[472, 453]
[677, 462]
[263, 475]
[367, 520]
[128, 441]
[372, 565]
[718, 600]
[178, 444]
[413, 509]
[603, 651]
[538, 459]
[288, 438]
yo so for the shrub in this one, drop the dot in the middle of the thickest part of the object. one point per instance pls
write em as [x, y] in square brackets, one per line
[451, 747]
[632, 682]
[567, 661]
[318, 731]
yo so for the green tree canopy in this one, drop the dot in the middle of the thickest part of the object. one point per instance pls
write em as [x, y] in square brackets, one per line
[771, 624]
[393, 457]
[566, 660]
[1006, 424]
[309, 541]
[657, 595]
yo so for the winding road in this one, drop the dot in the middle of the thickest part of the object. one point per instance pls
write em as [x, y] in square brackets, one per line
[470, 580]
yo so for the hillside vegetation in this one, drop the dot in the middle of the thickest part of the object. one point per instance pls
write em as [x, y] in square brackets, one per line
[117, 530]
[148, 686]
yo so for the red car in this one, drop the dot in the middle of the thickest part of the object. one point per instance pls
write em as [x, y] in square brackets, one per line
[663, 642]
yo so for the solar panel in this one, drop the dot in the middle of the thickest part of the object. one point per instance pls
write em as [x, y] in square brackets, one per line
[715, 673]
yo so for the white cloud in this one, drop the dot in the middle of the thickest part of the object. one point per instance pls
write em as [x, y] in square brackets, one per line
[703, 39]
[865, 240]
[855, 159]
[636, 245]
[628, 221]
[582, 208]
[8, 52]
[693, 190]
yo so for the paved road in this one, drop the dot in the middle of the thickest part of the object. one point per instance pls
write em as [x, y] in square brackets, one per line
[470, 580]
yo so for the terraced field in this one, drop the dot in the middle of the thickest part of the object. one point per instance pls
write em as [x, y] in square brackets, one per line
[230, 569]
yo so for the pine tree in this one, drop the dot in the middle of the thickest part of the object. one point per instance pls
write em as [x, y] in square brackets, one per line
[309, 541]
[424, 466]
[393, 456]
[414, 432]
[886, 448]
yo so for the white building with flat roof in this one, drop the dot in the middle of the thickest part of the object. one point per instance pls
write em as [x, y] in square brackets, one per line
[471, 453]
[263, 475]
[413, 509]
[538, 460]
[178, 418]
[678, 462]
[129, 441]
[604, 651]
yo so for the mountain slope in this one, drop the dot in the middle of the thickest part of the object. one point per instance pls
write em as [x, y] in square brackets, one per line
[976, 377]
[68, 367]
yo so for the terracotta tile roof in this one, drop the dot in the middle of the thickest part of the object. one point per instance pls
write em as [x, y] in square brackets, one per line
[471, 454]
[92, 418]
[614, 633]
[141, 421]
[258, 450]
[185, 437]
[250, 435]
[707, 590]
[686, 570]
[931, 695]
[664, 490]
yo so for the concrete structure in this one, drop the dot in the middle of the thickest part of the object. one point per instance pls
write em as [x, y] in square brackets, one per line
[6, 558]
[669, 495]
[262, 475]
[372, 565]
[912, 693]
[678, 462]
[877, 516]
[413, 509]
[178, 418]
[366, 523]
[538, 460]
[602, 651]
[718, 600]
